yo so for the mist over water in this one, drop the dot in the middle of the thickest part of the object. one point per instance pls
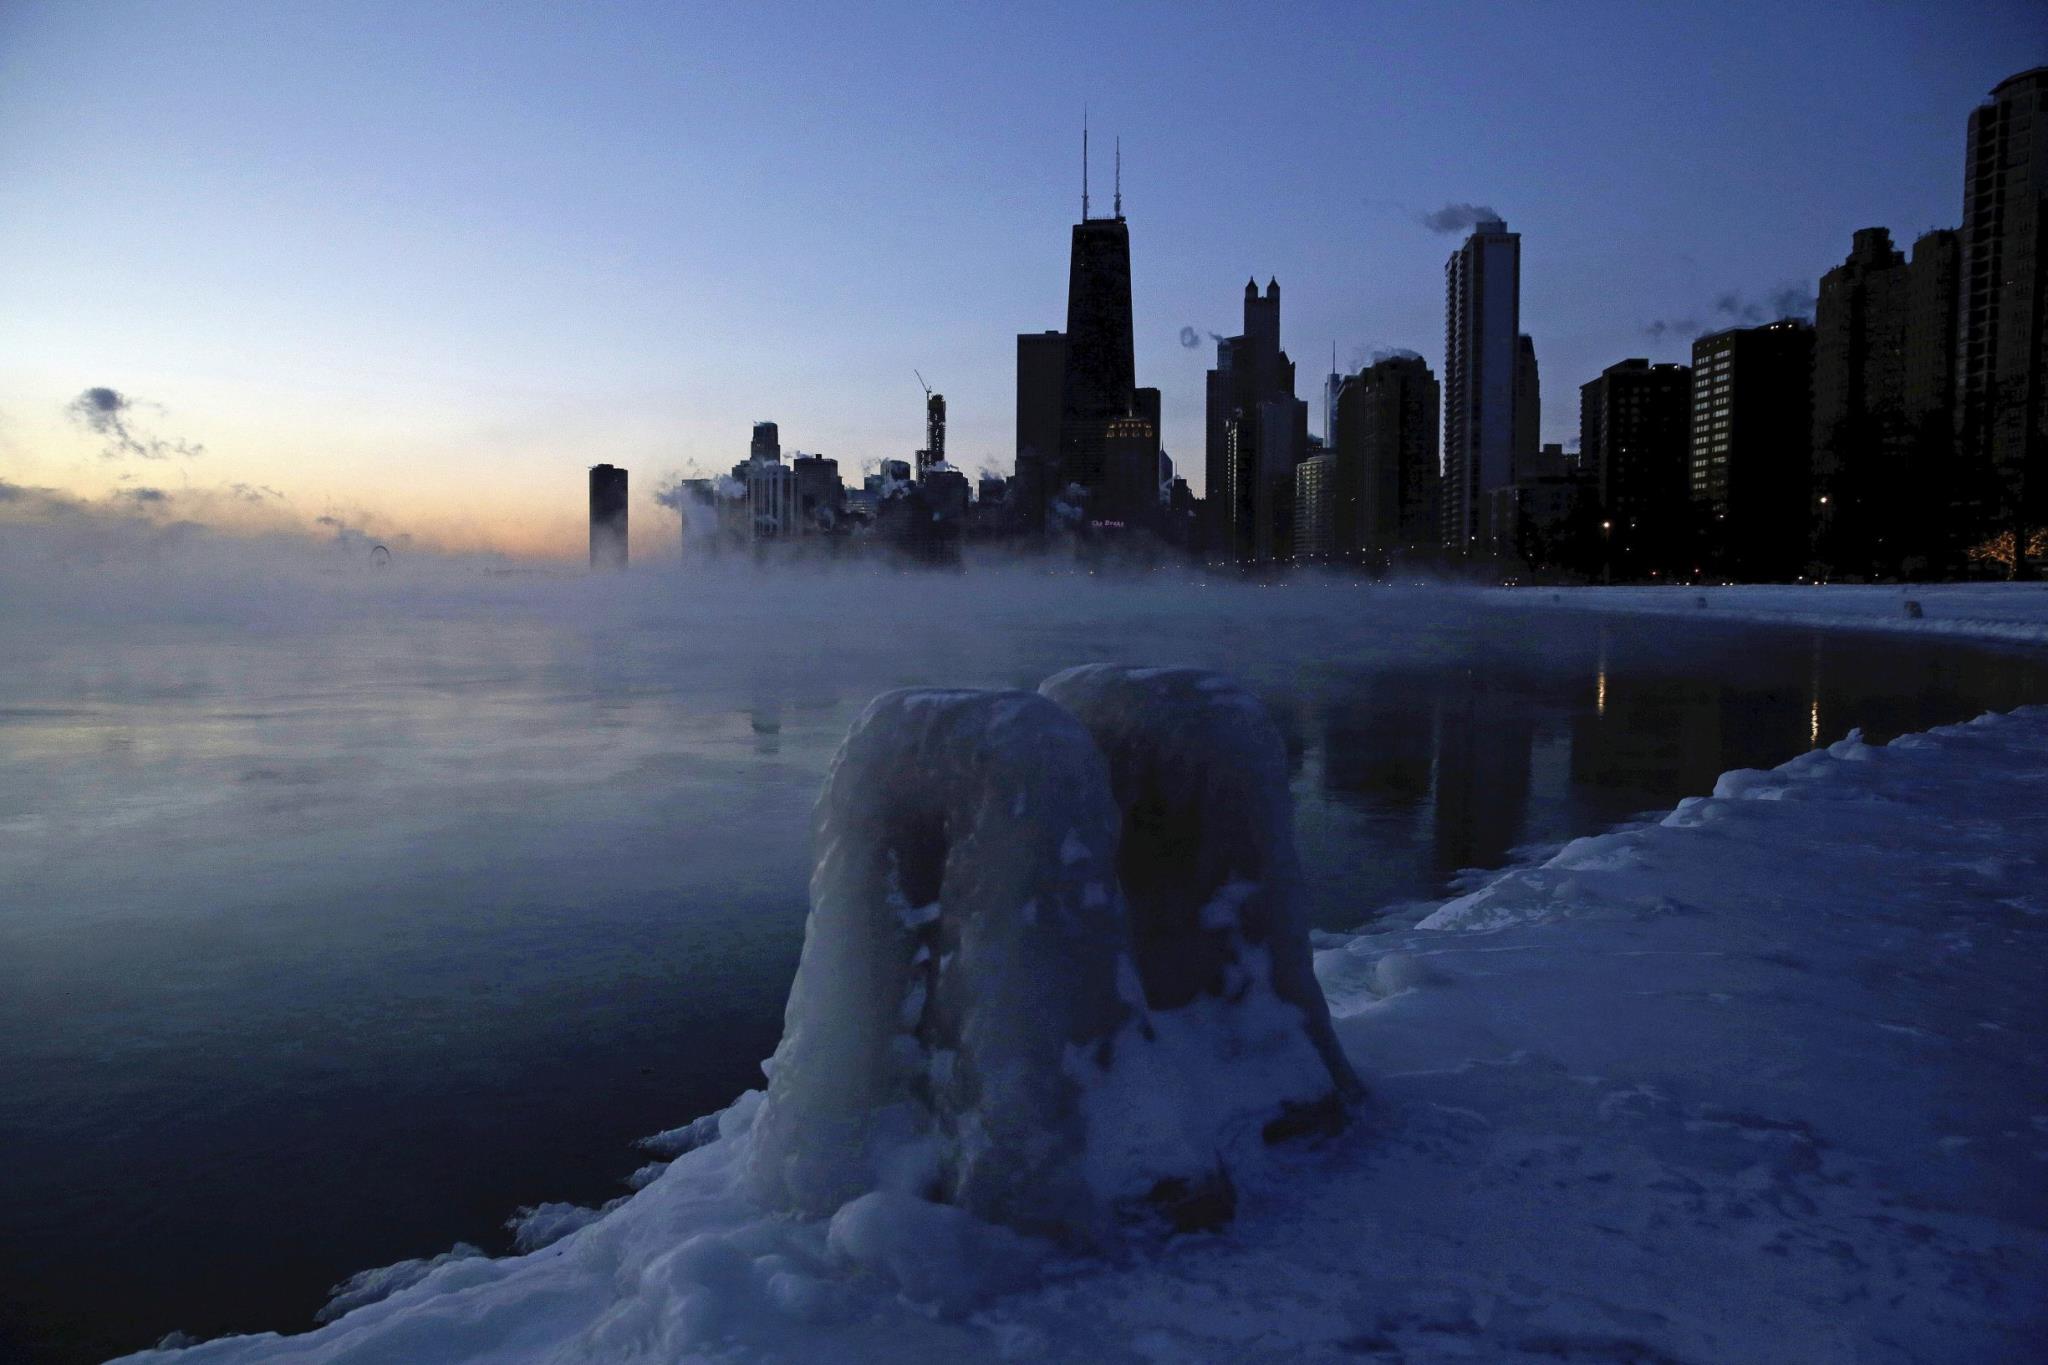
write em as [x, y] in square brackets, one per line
[346, 910]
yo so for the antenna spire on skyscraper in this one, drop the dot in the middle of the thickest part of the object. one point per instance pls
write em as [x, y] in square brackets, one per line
[1084, 163]
[1118, 201]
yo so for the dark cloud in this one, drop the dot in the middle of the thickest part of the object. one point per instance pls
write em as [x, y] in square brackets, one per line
[254, 492]
[110, 415]
[1190, 338]
[1458, 217]
[144, 495]
[1732, 308]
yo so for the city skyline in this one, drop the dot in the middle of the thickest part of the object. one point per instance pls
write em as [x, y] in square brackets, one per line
[413, 345]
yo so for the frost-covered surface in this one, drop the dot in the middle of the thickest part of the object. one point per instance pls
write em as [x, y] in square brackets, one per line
[1970, 611]
[1762, 1081]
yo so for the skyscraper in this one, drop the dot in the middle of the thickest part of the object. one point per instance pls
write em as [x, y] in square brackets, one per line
[1635, 431]
[2002, 410]
[767, 442]
[1386, 476]
[1751, 452]
[1482, 346]
[1528, 404]
[1041, 376]
[1884, 334]
[934, 451]
[1253, 471]
[1102, 445]
[1108, 441]
[607, 517]
[1315, 507]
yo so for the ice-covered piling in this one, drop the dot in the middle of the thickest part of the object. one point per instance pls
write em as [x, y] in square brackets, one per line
[966, 980]
[1057, 962]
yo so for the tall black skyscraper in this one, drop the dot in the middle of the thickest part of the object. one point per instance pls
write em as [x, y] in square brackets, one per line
[1751, 474]
[2002, 409]
[1387, 469]
[1041, 376]
[1883, 396]
[1635, 439]
[1257, 433]
[1108, 443]
[607, 517]
[1484, 370]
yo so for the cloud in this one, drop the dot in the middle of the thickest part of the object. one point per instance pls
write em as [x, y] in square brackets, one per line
[670, 492]
[109, 414]
[1190, 338]
[1362, 356]
[144, 495]
[1458, 217]
[254, 492]
[1732, 308]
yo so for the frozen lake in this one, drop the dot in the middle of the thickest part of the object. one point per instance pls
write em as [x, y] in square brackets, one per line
[344, 914]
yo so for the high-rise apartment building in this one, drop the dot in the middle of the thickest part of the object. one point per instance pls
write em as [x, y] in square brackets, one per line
[1635, 431]
[1482, 350]
[607, 517]
[2002, 370]
[1883, 383]
[1751, 455]
[1386, 478]
[1315, 508]
[1041, 374]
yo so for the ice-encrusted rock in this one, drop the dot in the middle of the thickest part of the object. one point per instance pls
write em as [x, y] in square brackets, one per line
[1208, 868]
[966, 1024]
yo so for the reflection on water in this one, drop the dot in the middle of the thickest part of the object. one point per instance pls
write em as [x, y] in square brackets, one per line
[324, 949]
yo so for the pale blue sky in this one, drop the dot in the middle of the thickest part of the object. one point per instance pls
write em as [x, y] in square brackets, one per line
[422, 263]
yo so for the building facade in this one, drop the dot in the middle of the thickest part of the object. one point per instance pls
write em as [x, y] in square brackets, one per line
[607, 517]
[1103, 449]
[1635, 433]
[1315, 509]
[2001, 420]
[1884, 478]
[1253, 380]
[1387, 475]
[1041, 377]
[1750, 467]
[1482, 343]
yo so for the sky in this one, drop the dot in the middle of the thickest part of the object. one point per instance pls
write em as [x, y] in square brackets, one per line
[411, 268]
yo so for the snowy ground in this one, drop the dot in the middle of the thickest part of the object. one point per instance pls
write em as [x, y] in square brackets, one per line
[1761, 1081]
[1971, 611]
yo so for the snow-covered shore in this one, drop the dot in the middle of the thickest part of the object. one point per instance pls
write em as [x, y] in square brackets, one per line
[1760, 1081]
[2015, 612]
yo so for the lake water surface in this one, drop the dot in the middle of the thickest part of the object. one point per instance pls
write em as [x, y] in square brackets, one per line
[338, 921]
